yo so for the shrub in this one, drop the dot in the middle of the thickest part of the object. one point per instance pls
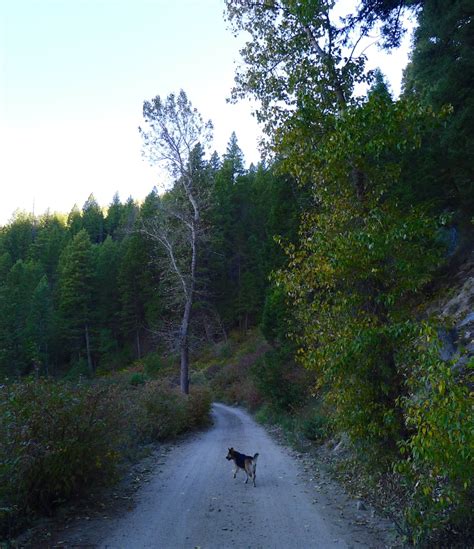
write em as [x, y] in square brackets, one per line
[59, 439]
[315, 426]
[438, 453]
[137, 378]
[153, 364]
[78, 370]
[279, 380]
[162, 412]
[198, 407]
[56, 440]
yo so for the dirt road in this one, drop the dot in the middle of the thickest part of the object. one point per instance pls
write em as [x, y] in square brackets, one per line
[193, 500]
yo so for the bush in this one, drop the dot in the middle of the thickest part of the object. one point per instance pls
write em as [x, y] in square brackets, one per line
[315, 426]
[56, 440]
[198, 407]
[78, 370]
[137, 378]
[162, 412]
[154, 364]
[59, 439]
[280, 382]
[439, 458]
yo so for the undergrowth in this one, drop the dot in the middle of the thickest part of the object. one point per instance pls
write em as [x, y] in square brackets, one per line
[59, 438]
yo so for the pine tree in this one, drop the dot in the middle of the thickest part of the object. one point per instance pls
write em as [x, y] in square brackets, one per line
[76, 295]
[93, 220]
[113, 217]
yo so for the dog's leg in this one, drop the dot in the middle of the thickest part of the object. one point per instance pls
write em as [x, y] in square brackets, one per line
[235, 471]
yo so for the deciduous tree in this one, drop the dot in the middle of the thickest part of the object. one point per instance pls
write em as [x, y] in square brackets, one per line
[174, 134]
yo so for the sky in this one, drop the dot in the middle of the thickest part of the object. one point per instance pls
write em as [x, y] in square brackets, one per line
[73, 78]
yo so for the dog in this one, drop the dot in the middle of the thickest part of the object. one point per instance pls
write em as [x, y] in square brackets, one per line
[247, 463]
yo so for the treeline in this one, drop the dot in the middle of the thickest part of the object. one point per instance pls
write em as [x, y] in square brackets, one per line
[87, 292]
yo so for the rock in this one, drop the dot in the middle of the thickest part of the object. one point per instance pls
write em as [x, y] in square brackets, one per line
[448, 343]
[360, 506]
[467, 320]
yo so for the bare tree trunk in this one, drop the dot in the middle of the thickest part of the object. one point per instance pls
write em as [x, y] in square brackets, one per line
[184, 343]
[176, 133]
[184, 350]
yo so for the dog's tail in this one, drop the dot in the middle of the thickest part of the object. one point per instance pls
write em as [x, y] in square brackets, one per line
[255, 457]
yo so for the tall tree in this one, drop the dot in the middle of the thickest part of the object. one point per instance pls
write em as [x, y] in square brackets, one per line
[441, 72]
[346, 284]
[234, 157]
[76, 295]
[107, 302]
[174, 133]
[16, 295]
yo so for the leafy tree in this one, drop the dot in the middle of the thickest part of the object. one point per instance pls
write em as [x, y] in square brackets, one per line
[174, 132]
[358, 265]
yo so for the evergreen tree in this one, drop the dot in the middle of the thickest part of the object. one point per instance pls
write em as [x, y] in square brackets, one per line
[107, 302]
[76, 296]
[18, 236]
[233, 158]
[74, 221]
[441, 73]
[16, 295]
[39, 327]
[93, 220]
[50, 240]
[113, 217]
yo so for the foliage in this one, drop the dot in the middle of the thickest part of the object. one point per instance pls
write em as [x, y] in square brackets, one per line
[59, 439]
[440, 73]
[176, 134]
[279, 381]
[438, 454]
[298, 56]
[359, 262]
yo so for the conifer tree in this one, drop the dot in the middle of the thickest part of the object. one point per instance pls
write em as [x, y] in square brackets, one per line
[93, 220]
[76, 295]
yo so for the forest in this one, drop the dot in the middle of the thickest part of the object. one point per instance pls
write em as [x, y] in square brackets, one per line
[325, 260]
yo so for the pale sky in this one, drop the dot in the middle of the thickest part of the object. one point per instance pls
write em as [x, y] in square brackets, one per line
[73, 78]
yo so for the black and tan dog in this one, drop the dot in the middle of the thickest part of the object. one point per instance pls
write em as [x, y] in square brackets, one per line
[247, 463]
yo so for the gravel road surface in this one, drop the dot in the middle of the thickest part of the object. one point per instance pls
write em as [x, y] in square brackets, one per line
[193, 501]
